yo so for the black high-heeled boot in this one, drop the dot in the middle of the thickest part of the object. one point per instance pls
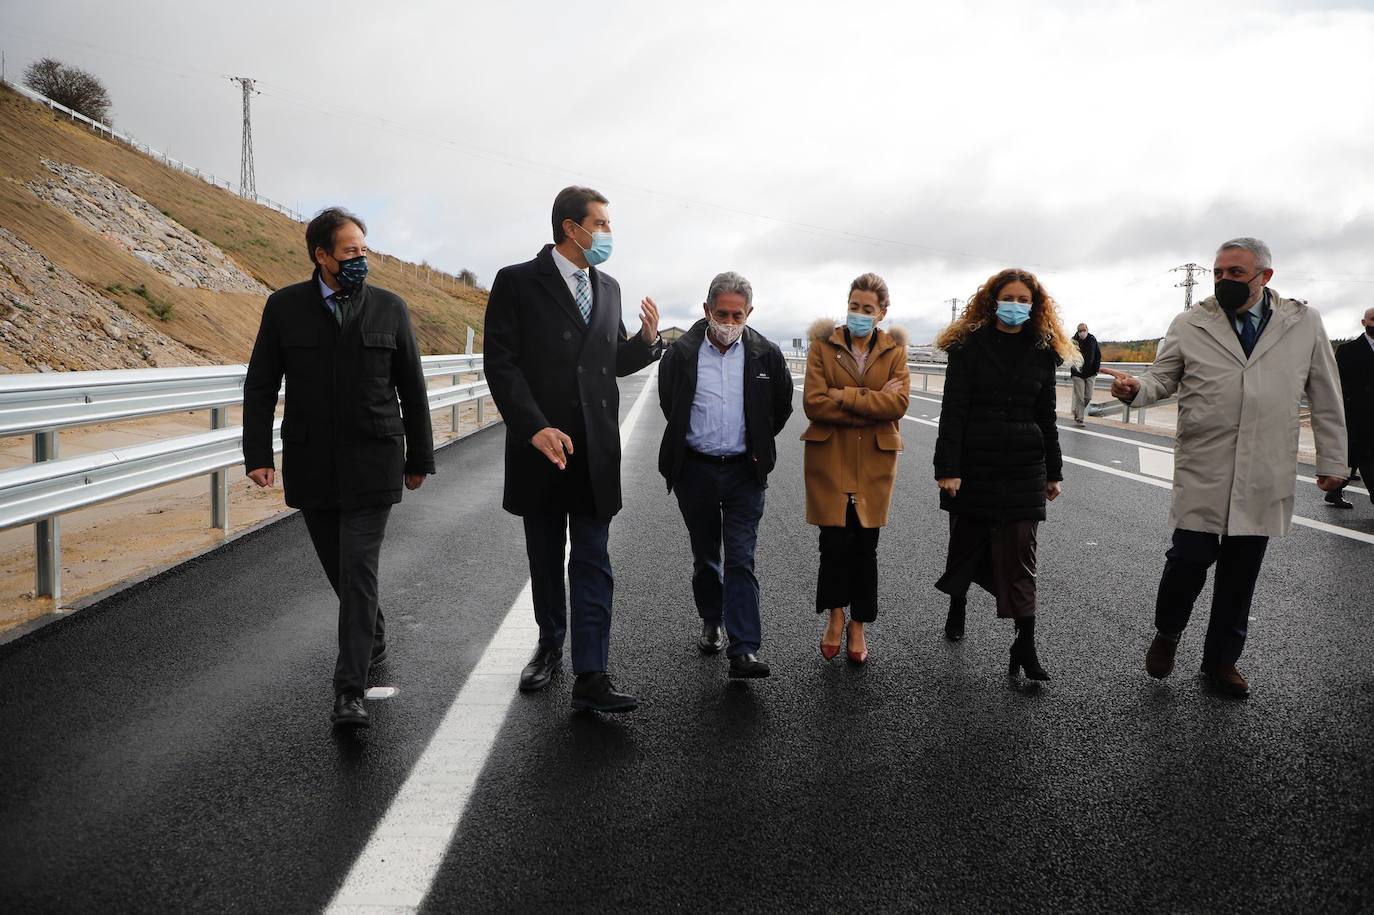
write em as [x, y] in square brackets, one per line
[1023, 651]
[954, 622]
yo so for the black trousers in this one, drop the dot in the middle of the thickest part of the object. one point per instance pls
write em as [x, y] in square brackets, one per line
[589, 576]
[1238, 561]
[1365, 468]
[849, 569]
[349, 544]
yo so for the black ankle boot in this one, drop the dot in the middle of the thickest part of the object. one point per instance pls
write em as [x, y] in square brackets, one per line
[954, 622]
[1023, 651]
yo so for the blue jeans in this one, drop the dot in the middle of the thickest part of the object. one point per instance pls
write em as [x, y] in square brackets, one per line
[722, 504]
[589, 576]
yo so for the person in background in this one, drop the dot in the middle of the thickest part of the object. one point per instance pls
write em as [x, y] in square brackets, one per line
[1084, 376]
[997, 457]
[856, 391]
[355, 430]
[726, 392]
[1355, 361]
[1240, 362]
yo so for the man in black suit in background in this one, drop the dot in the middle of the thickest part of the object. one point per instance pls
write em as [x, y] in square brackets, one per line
[1355, 360]
[554, 346]
[347, 351]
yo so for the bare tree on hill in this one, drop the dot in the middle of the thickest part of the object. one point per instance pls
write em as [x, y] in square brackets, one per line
[70, 86]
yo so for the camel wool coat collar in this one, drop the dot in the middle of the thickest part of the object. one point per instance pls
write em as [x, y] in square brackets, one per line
[1235, 462]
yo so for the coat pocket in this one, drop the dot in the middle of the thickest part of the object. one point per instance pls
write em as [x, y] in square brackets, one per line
[387, 426]
[378, 349]
[817, 433]
[889, 441]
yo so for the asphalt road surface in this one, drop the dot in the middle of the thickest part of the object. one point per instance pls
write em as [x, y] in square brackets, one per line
[169, 749]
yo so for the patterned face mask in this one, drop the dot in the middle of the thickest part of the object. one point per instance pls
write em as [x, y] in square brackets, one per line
[725, 334]
[352, 272]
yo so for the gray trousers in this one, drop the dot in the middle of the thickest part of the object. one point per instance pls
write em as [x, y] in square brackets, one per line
[349, 544]
[1082, 396]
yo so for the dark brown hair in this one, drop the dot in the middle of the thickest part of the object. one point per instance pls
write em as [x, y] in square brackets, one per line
[571, 203]
[320, 233]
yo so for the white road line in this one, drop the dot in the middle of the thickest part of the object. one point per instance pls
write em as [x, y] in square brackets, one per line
[398, 866]
[1157, 463]
[1168, 484]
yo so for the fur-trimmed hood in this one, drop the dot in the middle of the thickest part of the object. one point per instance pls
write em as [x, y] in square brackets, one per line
[825, 329]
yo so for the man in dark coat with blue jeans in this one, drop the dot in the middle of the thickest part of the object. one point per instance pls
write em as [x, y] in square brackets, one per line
[726, 392]
[347, 351]
[554, 347]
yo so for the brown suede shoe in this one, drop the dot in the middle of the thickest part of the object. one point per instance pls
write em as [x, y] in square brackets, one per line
[1159, 659]
[1227, 680]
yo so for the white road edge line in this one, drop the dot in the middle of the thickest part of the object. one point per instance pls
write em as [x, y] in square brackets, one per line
[1167, 484]
[395, 870]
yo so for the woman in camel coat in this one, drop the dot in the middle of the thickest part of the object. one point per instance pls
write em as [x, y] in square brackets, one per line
[856, 391]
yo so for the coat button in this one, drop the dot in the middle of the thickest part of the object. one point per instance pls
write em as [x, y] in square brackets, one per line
[580, 370]
[603, 401]
[608, 338]
[567, 335]
[603, 370]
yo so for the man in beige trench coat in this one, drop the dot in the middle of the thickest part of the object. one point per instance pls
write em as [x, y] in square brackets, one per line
[1240, 362]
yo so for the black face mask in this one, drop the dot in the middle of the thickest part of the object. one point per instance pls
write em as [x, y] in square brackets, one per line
[1232, 294]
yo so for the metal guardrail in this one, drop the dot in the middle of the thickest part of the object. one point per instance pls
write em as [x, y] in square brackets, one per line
[1105, 408]
[43, 404]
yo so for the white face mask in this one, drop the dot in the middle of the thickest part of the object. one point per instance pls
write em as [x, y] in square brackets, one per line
[725, 334]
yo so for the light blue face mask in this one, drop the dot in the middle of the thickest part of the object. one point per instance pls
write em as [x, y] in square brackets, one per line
[1013, 314]
[600, 250]
[860, 325]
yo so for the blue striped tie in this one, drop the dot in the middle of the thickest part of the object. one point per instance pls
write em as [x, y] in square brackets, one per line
[584, 296]
[1249, 334]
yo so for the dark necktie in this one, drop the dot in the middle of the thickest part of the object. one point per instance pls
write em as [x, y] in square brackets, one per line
[338, 300]
[1248, 335]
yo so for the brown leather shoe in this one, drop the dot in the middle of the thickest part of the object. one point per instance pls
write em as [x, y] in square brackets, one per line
[1226, 679]
[1159, 659]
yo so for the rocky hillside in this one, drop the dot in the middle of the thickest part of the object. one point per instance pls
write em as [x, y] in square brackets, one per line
[109, 259]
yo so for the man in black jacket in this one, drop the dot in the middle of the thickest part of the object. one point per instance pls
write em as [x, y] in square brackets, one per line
[347, 351]
[554, 346]
[1084, 376]
[726, 392]
[1355, 360]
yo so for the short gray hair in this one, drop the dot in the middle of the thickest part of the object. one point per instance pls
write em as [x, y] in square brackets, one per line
[730, 281]
[1263, 259]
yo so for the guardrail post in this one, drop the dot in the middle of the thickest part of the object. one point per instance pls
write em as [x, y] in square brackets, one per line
[1140, 417]
[219, 480]
[481, 376]
[925, 381]
[1125, 413]
[47, 534]
[454, 409]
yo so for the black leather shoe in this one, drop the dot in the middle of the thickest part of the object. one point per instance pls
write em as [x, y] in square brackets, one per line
[540, 670]
[594, 692]
[1023, 657]
[379, 656]
[712, 637]
[349, 712]
[1337, 500]
[954, 620]
[747, 667]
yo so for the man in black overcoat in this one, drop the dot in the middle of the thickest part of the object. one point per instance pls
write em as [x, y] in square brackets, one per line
[355, 428]
[1355, 361]
[554, 346]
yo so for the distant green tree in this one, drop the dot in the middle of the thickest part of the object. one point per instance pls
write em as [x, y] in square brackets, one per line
[70, 86]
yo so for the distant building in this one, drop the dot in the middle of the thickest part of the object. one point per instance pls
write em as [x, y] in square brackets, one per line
[927, 352]
[670, 334]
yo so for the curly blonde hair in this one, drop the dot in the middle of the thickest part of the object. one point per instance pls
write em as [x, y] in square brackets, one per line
[981, 311]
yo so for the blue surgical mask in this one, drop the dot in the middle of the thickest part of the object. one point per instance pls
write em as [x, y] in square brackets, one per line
[600, 250]
[352, 272]
[860, 325]
[1013, 314]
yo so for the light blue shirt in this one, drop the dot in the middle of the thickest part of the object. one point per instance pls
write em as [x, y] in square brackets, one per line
[1255, 315]
[325, 291]
[716, 426]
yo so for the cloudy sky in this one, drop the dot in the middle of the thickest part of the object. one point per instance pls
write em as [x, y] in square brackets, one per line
[799, 143]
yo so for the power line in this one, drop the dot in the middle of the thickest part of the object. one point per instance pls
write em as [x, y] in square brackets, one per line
[248, 182]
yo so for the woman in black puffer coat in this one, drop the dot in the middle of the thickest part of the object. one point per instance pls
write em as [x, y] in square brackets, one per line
[997, 458]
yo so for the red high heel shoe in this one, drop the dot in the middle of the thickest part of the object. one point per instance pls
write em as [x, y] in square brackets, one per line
[857, 657]
[830, 651]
